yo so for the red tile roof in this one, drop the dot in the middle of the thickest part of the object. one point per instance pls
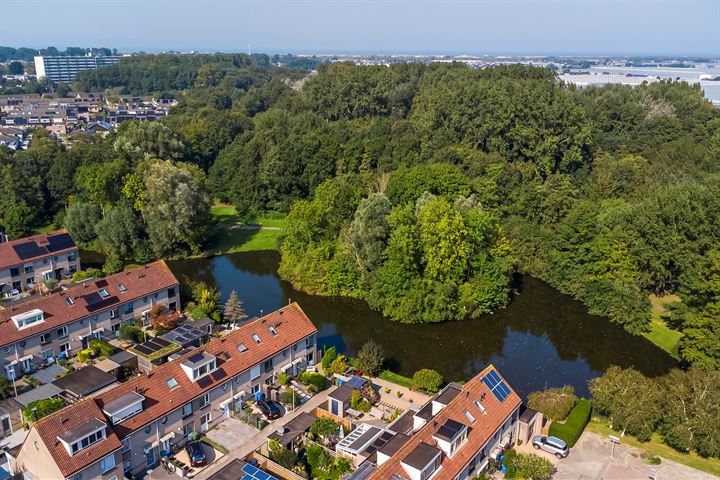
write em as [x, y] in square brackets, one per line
[59, 422]
[139, 282]
[9, 256]
[291, 325]
[478, 433]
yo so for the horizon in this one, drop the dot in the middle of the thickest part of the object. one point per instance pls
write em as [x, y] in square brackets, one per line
[623, 28]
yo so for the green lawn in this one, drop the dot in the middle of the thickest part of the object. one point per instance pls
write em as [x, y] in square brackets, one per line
[655, 445]
[662, 335]
[234, 233]
[47, 228]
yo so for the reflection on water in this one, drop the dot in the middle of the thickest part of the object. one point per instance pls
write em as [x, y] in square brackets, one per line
[542, 339]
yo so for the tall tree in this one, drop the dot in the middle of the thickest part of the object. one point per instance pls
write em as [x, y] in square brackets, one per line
[233, 311]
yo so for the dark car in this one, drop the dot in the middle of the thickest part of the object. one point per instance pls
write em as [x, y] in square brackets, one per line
[196, 454]
[270, 409]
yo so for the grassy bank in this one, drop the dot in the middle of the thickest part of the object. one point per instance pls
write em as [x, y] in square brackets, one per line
[234, 233]
[655, 445]
[662, 335]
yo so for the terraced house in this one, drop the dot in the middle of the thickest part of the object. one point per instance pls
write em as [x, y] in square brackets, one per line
[159, 410]
[28, 262]
[455, 434]
[32, 332]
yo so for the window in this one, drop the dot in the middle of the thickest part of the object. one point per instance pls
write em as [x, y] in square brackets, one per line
[205, 419]
[171, 292]
[107, 464]
[122, 287]
[14, 272]
[69, 301]
[85, 442]
[430, 469]
[65, 347]
[29, 269]
[458, 442]
[172, 305]
[73, 269]
[126, 445]
[203, 370]
[256, 338]
[71, 256]
[150, 457]
[115, 327]
[479, 406]
[128, 308]
[45, 338]
[113, 313]
[62, 332]
[148, 428]
[255, 388]
[272, 331]
[309, 342]
[187, 410]
[28, 319]
[127, 465]
[47, 353]
[254, 372]
[469, 416]
[205, 400]
[224, 386]
[188, 429]
[171, 382]
[268, 366]
[242, 347]
[309, 357]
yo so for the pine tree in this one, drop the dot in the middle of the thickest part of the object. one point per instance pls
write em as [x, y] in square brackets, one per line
[233, 311]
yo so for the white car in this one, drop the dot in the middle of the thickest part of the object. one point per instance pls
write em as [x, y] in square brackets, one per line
[551, 445]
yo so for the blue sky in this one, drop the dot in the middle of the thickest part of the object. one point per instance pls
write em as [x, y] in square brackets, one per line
[619, 27]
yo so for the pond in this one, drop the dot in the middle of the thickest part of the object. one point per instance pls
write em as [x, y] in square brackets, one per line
[542, 339]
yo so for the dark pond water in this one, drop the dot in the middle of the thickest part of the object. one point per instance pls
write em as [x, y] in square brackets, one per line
[542, 339]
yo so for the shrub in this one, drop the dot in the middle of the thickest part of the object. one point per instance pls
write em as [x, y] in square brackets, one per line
[214, 445]
[370, 358]
[358, 402]
[328, 357]
[198, 312]
[527, 466]
[317, 457]
[396, 378]
[283, 378]
[42, 408]
[284, 457]
[84, 356]
[428, 380]
[101, 347]
[288, 397]
[324, 427]
[85, 274]
[339, 365]
[313, 379]
[573, 427]
[50, 284]
[128, 332]
[554, 403]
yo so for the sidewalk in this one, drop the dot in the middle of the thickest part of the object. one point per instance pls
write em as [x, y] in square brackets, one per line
[260, 437]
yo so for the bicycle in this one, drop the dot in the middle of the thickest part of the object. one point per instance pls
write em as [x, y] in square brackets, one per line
[167, 465]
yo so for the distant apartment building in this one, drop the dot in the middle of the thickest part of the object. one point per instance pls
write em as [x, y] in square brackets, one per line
[125, 429]
[65, 69]
[27, 262]
[62, 323]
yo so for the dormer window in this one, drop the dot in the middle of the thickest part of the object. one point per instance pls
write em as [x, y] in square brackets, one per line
[103, 293]
[451, 435]
[256, 338]
[422, 462]
[28, 319]
[82, 436]
[124, 407]
[199, 365]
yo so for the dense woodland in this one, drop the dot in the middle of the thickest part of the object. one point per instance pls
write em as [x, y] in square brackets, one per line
[424, 189]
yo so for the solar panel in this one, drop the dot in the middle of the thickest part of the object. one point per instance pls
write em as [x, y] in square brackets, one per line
[143, 349]
[102, 283]
[253, 473]
[161, 341]
[60, 242]
[496, 385]
[218, 374]
[28, 250]
[196, 358]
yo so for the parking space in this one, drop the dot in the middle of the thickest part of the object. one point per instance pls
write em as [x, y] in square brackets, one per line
[232, 433]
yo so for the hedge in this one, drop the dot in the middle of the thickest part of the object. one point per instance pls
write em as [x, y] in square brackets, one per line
[395, 378]
[573, 427]
[101, 347]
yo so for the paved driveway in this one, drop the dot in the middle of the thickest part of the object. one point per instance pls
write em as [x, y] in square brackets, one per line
[590, 460]
[232, 433]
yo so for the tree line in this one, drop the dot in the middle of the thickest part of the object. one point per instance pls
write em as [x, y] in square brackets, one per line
[424, 188]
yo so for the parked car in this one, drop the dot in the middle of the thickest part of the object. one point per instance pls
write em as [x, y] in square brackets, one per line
[552, 445]
[196, 454]
[270, 409]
